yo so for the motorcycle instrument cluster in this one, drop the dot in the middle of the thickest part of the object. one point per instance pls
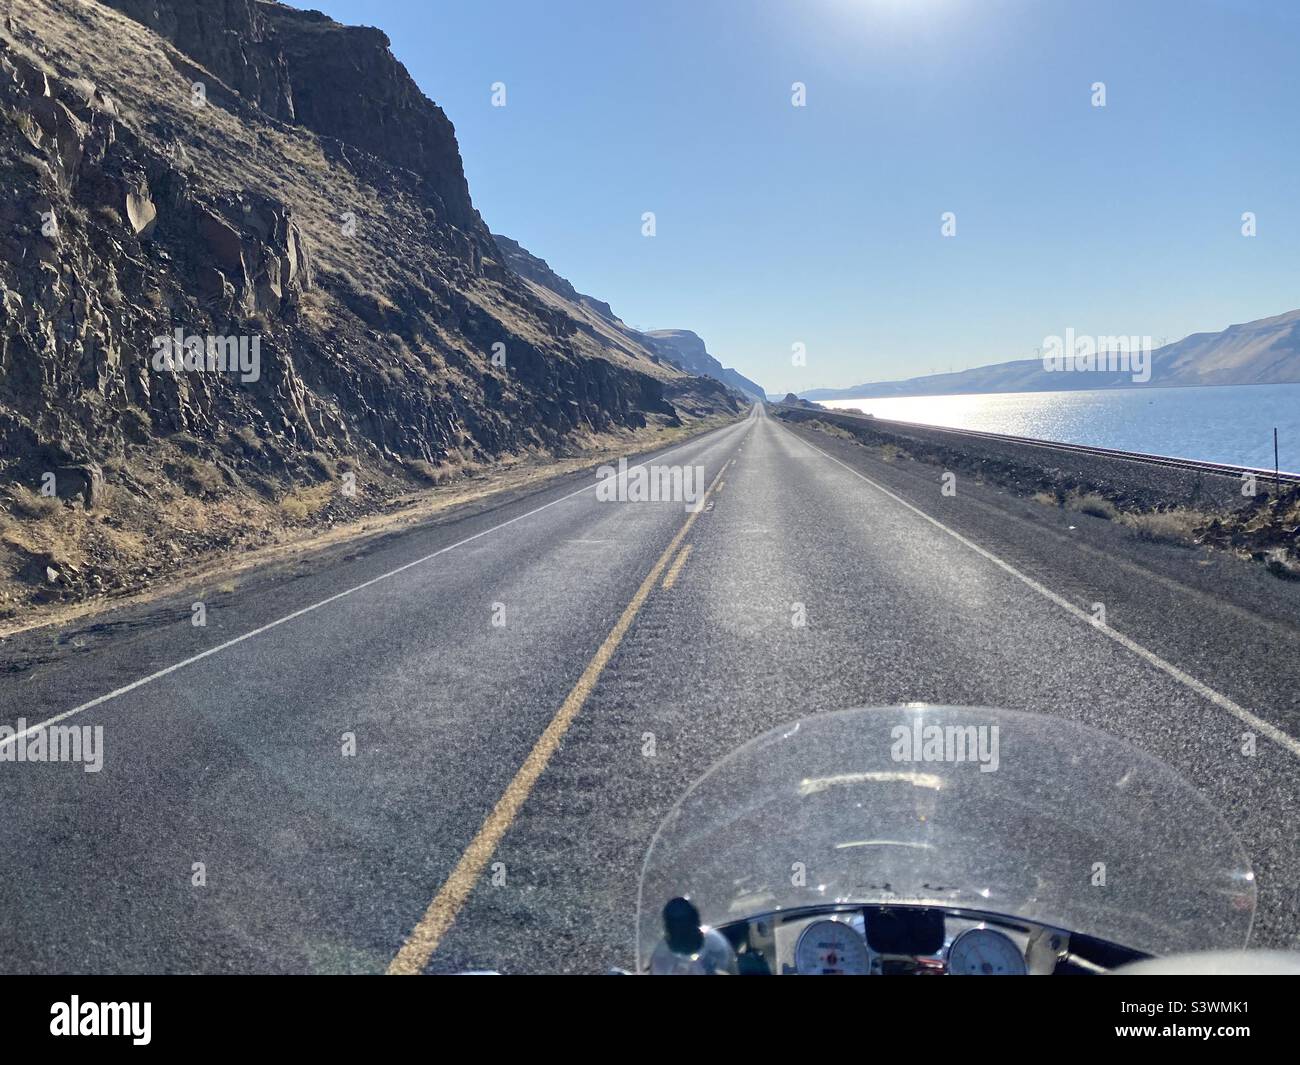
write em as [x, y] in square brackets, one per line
[832, 948]
[897, 941]
[985, 952]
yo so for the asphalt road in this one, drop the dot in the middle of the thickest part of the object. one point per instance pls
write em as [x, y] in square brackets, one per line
[500, 672]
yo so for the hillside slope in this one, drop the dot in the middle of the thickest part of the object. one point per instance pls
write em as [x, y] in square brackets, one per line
[265, 184]
[687, 350]
[677, 347]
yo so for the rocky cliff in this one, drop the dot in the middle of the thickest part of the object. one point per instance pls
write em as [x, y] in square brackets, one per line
[242, 280]
[677, 347]
[234, 39]
[687, 350]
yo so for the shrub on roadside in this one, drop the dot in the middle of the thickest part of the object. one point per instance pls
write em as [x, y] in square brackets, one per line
[1097, 506]
[1165, 526]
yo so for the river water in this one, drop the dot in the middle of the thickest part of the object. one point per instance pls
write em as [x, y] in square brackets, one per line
[1223, 423]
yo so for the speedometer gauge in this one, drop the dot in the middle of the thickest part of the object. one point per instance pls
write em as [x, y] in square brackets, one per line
[985, 952]
[831, 948]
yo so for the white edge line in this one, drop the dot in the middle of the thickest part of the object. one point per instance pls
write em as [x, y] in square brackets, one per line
[7, 740]
[1274, 733]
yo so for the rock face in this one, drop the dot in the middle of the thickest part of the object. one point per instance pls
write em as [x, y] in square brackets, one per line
[348, 85]
[308, 207]
[107, 243]
[687, 350]
[85, 483]
[339, 81]
[232, 38]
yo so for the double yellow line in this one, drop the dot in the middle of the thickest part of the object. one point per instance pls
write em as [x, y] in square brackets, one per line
[455, 891]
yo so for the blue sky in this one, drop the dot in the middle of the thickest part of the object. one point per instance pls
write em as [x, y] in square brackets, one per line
[821, 225]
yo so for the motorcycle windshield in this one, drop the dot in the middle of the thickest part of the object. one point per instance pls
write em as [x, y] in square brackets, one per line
[1025, 815]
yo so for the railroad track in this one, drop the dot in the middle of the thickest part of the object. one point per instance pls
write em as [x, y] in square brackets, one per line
[1216, 468]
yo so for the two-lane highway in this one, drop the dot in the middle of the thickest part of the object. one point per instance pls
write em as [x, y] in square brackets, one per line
[528, 693]
[232, 827]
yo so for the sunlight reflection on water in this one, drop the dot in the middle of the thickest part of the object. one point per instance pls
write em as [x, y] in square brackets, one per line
[1227, 423]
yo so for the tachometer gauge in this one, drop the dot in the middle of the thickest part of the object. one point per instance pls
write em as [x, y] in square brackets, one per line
[831, 948]
[985, 952]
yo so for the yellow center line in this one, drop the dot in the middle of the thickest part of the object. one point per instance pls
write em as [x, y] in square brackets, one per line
[677, 565]
[455, 891]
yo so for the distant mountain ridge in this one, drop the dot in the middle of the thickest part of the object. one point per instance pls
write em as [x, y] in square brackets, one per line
[1266, 351]
[681, 347]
